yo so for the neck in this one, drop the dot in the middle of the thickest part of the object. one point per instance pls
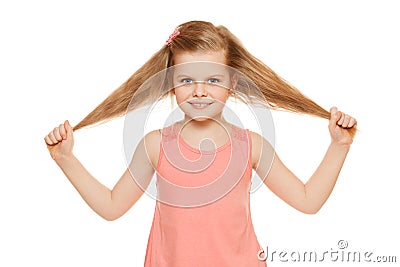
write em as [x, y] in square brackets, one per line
[204, 124]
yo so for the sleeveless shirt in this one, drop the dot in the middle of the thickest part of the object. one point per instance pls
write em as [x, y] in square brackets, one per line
[202, 213]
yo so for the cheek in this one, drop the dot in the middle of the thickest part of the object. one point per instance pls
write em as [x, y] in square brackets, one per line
[181, 95]
[222, 96]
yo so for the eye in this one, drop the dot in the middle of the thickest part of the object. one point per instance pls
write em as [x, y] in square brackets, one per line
[187, 81]
[213, 81]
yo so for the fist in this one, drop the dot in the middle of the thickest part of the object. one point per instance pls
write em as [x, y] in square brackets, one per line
[60, 141]
[342, 127]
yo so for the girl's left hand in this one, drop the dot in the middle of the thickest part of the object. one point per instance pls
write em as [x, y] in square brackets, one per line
[342, 127]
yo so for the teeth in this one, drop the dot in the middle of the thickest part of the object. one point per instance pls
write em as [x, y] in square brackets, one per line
[199, 105]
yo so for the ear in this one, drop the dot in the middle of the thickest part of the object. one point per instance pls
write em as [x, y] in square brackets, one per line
[234, 81]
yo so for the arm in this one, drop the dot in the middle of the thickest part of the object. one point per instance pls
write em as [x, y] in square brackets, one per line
[309, 197]
[109, 204]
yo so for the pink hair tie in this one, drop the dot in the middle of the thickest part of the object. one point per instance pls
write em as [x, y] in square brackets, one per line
[173, 36]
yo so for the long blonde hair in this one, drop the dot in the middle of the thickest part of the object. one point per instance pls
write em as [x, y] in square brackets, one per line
[203, 36]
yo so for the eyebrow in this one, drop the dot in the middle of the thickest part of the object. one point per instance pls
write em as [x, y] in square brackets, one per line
[213, 75]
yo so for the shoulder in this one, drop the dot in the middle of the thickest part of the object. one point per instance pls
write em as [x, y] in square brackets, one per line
[260, 148]
[153, 136]
[152, 145]
[256, 141]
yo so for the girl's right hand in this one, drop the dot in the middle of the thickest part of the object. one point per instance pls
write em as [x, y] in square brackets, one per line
[60, 141]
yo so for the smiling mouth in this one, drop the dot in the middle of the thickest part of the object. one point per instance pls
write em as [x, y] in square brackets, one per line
[200, 105]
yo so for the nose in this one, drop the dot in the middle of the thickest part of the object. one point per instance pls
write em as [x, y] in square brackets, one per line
[199, 89]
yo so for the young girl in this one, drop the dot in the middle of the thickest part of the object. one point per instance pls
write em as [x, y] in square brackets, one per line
[202, 214]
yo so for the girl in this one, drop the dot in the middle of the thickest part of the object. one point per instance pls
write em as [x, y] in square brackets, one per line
[202, 214]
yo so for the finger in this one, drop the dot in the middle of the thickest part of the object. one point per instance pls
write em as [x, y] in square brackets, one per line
[341, 120]
[63, 132]
[56, 133]
[52, 138]
[352, 122]
[68, 129]
[333, 110]
[48, 140]
[346, 121]
[334, 116]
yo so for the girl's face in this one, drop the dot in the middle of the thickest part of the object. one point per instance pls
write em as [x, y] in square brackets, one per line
[202, 83]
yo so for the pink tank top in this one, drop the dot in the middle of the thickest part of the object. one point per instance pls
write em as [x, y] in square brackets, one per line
[202, 214]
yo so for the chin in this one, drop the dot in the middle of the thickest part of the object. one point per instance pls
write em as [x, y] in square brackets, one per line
[210, 113]
[201, 118]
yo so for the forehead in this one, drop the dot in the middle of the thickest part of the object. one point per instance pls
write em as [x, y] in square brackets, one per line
[186, 57]
[200, 64]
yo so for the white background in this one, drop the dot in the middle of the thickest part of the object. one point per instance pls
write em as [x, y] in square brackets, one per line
[59, 59]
